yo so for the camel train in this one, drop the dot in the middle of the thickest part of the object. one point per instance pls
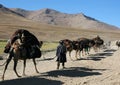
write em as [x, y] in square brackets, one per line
[19, 48]
[83, 45]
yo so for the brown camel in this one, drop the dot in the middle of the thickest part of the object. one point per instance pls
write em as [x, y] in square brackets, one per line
[19, 52]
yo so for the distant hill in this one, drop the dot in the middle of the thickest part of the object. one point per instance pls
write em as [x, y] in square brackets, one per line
[54, 17]
[22, 12]
[52, 25]
[8, 11]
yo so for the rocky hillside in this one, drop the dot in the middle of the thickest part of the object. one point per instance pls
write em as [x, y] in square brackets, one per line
[13, 19]
[8, 11]
[54, 17]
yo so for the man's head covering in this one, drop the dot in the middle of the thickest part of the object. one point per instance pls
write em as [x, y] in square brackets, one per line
[61, 42]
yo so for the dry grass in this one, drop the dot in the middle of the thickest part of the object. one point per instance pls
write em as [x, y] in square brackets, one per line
[44, 32]
[47, 46]
[2, 45]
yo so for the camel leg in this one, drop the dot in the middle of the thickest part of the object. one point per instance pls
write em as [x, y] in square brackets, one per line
[83, 52]
[80, 54]
[58, 64]
[76, 54]
[15, 65]
[7, 62]
[35, 65]
[24, 67]
[95, 48]
[70, 55]
[88, 50]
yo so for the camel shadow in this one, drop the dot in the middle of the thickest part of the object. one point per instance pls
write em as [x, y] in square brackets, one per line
[73, 72]
[31, 81]
[100, 56]
[97, 56]
[110, 50]
[91, 58]
[46, 59]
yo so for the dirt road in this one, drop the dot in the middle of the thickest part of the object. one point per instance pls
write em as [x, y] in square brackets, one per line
[102, 68]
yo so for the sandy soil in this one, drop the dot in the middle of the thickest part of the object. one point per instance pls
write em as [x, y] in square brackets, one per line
[101, 68]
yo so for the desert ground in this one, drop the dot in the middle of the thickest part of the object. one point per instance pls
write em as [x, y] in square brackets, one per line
[97, 68]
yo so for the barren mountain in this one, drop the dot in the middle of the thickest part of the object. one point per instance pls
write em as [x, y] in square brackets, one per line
[8, 11]
[23, 12]
[13, 19]
[54, 17]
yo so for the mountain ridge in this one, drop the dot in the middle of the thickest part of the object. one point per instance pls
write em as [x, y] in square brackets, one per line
[59, 27]
[8, 11]
[53, 17]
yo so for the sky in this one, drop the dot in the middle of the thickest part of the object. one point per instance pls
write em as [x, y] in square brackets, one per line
[107, 11]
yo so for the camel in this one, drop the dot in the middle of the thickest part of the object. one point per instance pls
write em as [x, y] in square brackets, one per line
[98, 43]
[18, 51]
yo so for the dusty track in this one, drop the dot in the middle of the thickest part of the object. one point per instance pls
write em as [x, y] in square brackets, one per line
[101, 68]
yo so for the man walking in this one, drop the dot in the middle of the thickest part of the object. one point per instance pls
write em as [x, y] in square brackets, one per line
[61, 54]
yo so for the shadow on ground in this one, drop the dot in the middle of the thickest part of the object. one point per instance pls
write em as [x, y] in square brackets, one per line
[1, 57]
[110, 50]
[74, 72]
[99, 56]
[31, 81]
